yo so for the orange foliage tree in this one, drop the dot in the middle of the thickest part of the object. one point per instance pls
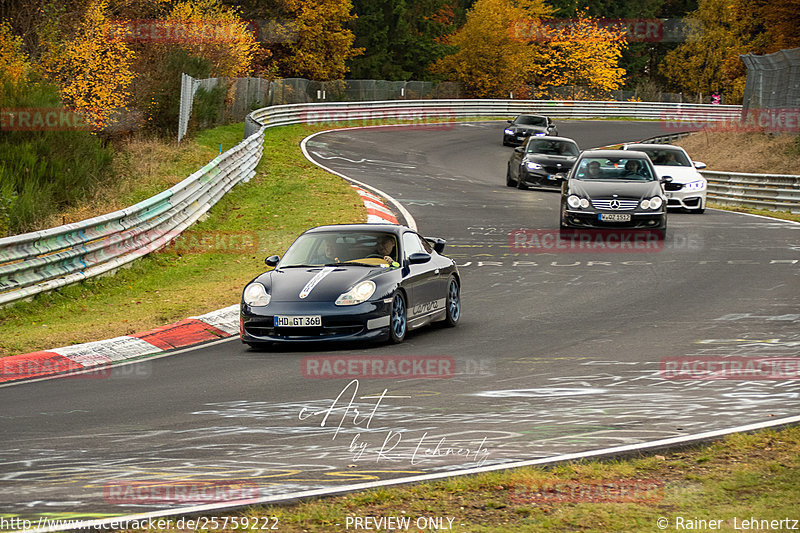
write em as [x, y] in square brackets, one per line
[216, 33]
[582, 53]
[93, 68]
[14, 65]
[323, 43]
[490, 61]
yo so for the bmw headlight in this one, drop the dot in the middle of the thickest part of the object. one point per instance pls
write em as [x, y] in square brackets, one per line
[255, 295]
[540, 134]
[358, 294]
[695, 186]
[576, 201]
[652, 203]
[508, 131]
[533, 165]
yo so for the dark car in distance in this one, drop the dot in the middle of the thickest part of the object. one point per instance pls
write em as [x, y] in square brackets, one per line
[541, 162]
[524, 126]
[351, 282]
[612, 189]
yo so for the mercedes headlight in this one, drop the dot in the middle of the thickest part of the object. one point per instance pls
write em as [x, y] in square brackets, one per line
[532, 165]
[695, 186]
[358, 294]
[575, 202]
[652, 203]
[255, 295]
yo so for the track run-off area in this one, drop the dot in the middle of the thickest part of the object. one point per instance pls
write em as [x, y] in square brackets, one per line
[558, 351]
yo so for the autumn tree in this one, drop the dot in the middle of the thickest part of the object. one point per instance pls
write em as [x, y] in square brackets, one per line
[721, 30]
[323, 43]
[582, 53]
[216, 33]
[490, 61]
[93, 68]
[14, 65]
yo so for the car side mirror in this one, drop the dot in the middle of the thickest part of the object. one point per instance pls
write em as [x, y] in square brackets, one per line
[519, 149]
[509, 121]
[666, 179]
[419, 258]
[699, 165]
[272, 260]
[437, 243]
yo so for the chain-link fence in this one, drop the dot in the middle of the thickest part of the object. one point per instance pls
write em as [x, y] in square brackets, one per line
[236, 97]
[773, 82]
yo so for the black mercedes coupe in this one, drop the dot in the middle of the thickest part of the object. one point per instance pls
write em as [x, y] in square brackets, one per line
[613, 188]
[351, 282]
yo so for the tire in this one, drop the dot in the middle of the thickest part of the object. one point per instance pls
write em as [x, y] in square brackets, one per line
[398, 320]
[452, 303]
[520, 184]
[509, 181]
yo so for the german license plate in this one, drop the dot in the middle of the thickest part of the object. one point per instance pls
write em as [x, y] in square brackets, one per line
[300, 321]
[615, 217]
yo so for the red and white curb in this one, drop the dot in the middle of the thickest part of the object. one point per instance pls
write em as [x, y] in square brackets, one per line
[215, 325]
[376, 209]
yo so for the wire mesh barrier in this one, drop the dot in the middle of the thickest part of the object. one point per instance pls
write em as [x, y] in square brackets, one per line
[771, 98]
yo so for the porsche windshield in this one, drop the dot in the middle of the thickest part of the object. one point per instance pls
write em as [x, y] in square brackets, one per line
[333, 248]
[601, 168]
[550, 147]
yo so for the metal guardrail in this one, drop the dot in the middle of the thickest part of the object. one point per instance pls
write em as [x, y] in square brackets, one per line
[674, 115]
[776, 192]
[39, 261]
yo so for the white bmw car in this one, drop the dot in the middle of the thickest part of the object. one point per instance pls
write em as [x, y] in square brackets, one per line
[688, 187]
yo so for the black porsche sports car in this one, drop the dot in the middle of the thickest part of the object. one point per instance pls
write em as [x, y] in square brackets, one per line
[541, 162]
[613, 188]
[349, 282]
[525, 126]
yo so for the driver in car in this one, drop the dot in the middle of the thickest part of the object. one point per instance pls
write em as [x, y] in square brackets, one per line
[386, 248]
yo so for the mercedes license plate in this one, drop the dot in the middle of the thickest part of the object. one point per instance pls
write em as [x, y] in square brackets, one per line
[615, 217]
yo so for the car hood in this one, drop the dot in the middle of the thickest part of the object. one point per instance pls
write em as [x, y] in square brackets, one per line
[318, 284]
[606, 189]
[679, 174]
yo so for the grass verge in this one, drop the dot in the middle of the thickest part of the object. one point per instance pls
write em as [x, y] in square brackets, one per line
[287, 195]
[741, 477]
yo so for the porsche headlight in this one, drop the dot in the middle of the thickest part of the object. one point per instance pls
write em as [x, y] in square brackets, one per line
[652, 203]
[533, 165]
[256, 295]
[358, 294]
[695, 186]
[508, 131]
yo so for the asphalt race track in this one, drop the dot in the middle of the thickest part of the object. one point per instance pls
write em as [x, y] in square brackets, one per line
[558, 351]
